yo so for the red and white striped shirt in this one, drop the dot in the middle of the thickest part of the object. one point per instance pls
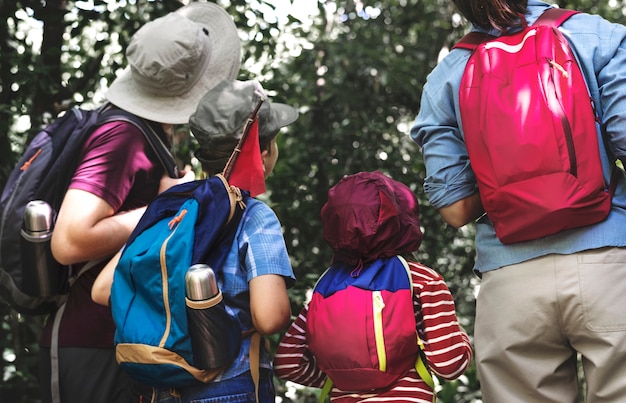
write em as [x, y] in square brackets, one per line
[446, 346]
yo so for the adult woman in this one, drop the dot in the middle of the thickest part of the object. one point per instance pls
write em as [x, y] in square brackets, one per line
[569, 284]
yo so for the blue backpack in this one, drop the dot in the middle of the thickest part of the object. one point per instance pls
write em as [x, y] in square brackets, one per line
[43, 174]
[189, 224]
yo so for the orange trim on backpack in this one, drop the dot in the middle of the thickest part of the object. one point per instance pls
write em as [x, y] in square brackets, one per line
[176, 219]
[30, 161]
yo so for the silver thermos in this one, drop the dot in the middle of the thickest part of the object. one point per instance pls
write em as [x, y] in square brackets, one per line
[42, 274]
[200, 283]
[202, 296]
[215, 335]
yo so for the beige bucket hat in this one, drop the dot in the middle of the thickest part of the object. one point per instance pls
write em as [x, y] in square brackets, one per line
[174, 60]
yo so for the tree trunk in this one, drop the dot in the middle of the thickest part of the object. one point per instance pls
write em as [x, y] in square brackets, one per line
[48, 92]
[7, 8]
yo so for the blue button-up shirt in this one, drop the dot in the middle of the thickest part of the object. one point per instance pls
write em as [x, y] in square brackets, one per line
[601, 49]
[258, 249]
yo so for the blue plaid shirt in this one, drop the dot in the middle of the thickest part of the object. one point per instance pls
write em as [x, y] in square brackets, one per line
[258, 249]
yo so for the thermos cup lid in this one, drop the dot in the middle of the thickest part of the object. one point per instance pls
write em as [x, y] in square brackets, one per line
[38, 220]
[200, 283]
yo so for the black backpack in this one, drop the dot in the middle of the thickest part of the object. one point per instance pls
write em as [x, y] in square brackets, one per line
[42, 177]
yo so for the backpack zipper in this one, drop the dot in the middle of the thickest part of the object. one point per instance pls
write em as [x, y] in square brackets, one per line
[378, 305]
[557, 108]
[173, 224]
[10, 201]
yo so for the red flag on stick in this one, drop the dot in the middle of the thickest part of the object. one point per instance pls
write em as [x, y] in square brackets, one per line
[245, 168]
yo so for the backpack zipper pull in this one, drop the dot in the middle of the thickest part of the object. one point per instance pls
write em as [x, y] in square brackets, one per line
[558, 67]
[30, 161]
[174, 221]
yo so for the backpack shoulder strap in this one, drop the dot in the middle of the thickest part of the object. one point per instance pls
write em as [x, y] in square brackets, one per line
[326, 389]
[421, 366]
[554, 16]
[255, 361]
[163, 153]
[471, 40]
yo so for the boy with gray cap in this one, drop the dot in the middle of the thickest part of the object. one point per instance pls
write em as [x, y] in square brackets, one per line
[173, 61]
[257, 271]
[221, 116]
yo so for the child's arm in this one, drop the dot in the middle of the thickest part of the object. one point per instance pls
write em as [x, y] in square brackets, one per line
[446, 346]
[101, 289]
[263, 254]
[294, 362]
[269, 303]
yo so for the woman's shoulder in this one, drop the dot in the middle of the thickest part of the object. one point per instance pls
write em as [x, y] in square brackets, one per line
[448, 71]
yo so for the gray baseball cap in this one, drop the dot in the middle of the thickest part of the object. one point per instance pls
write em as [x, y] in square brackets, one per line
[222, 113]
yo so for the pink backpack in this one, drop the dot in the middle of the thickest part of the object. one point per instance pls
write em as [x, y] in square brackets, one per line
[360, 323]
[530, 129]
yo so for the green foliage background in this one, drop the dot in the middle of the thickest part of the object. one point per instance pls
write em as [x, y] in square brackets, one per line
[355, 70]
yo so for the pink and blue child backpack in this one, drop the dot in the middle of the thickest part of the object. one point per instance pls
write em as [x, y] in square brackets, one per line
[361, 324]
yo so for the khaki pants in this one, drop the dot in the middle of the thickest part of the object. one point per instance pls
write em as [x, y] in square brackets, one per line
[534, 317]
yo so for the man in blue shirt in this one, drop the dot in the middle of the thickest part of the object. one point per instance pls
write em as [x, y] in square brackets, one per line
[543, 301]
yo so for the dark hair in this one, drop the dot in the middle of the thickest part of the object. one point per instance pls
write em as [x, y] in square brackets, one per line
[487, 14]
[213, 162]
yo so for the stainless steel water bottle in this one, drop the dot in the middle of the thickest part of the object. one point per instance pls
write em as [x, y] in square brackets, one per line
[215, 335]
[42, 274]
[200, 283]
[202, 295]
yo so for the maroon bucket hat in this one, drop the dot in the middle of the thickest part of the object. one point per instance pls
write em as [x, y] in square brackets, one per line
[368, 215]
